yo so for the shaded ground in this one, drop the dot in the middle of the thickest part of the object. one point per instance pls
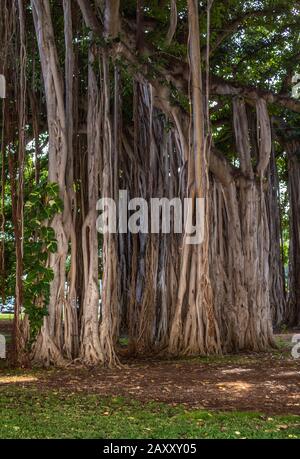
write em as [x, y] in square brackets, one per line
[5, 325]
[268, 383]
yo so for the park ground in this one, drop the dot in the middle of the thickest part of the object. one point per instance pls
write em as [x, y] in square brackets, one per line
[233, 396]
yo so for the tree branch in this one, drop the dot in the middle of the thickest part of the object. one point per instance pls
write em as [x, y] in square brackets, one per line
[221, 87]
[90, 17]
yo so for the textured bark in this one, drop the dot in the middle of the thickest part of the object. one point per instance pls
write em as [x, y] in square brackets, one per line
[173, 22]
[194, 327]
[277, 278]
[110, 315]
[111, 18]
[71, 341]
[102, 347]
[254, 237]
[91, 351]
[18, 202]
[238, 255]
[293, 304]
[240, 267]
[154, 174]
[51, 342]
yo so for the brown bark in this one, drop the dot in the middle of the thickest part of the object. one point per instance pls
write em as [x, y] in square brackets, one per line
[277, 276]
[50, 344]
[293, 303]
[194, 328]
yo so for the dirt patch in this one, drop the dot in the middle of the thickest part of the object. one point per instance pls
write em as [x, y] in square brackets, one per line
[263, 384]
[268, 383]
[269, 386]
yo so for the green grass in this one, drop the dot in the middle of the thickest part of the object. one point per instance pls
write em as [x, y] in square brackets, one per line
[6, 316]
[30, 413]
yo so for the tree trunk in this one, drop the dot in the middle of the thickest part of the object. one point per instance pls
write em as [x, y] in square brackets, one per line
[277, 278]
[194, 328]
[91, 351]
[49, 345]
[110, 313]
[293, 304]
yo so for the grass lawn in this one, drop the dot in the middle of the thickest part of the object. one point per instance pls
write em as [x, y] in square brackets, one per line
[112, 404]
[6, 316]
[29, 413]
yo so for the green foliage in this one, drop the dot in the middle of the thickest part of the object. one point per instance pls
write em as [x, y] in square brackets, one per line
[39, 241]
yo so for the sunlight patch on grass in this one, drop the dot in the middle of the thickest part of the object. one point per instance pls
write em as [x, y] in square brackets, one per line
[17, 379]
[7, 317]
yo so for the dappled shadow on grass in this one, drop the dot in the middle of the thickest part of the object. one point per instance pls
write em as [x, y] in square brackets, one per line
[56, 413]
[32, 413]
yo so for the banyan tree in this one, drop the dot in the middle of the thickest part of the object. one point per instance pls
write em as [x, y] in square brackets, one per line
[167, 100]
